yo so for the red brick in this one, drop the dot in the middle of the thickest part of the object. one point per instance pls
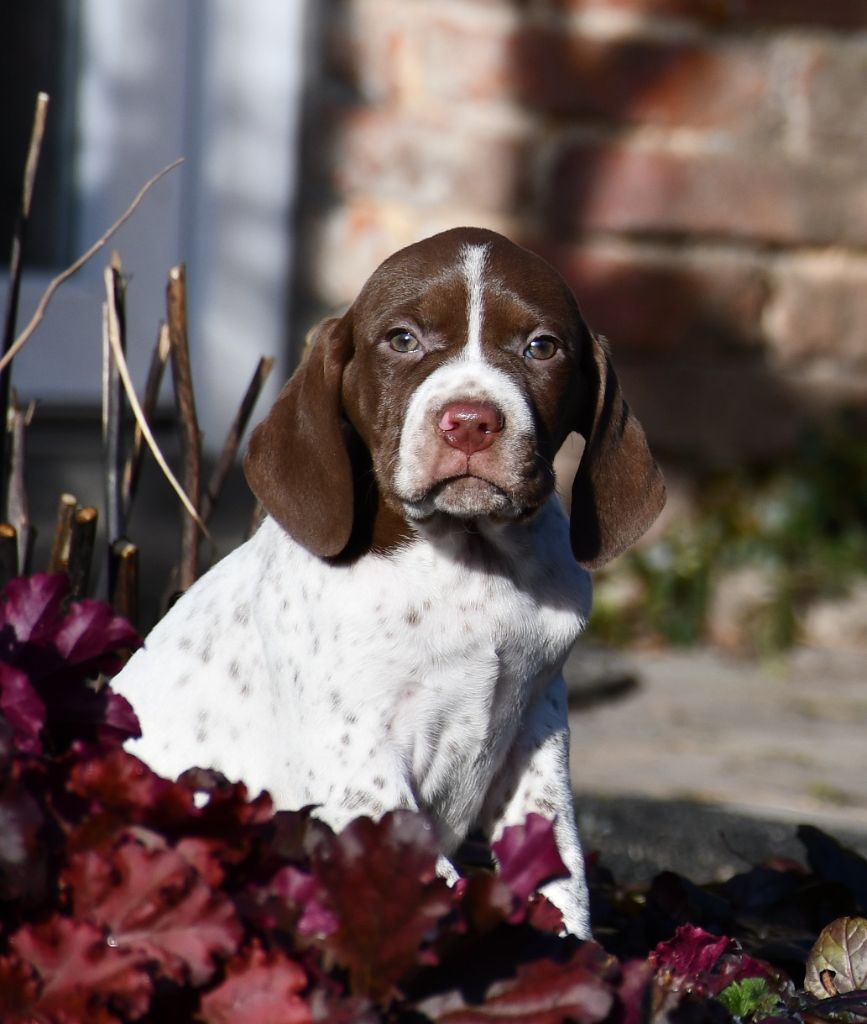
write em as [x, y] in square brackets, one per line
[436, 57]
[639, 81]
[645, 191]
[379, 153]
[650, 302]
[834, 96]
[819, 313]
[732, 13]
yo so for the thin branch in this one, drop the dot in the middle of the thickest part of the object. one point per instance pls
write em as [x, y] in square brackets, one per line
[19, 506]
[191, 442]
[114, 325]
[132, 469]
[123, 578]
[16, 264]
[59, 558]
[73, 268]
[140, 419]
[8, 553]
[81, 546]
[233, 438]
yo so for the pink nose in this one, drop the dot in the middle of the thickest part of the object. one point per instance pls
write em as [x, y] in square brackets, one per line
[470, 426]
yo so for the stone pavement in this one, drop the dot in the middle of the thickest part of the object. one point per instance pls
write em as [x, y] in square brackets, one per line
[670, 747]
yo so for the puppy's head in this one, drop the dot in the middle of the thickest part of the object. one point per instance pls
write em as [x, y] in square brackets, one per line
[445, 391]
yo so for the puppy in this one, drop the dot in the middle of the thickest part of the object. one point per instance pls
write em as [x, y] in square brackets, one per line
[394, 633]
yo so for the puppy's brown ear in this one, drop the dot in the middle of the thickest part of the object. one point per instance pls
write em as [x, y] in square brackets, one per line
[297, 462]
[618, 490]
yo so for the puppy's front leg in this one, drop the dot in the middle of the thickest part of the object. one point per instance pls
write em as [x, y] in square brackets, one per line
[536, 779]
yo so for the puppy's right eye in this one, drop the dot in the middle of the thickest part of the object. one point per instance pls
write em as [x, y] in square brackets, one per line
[403, 341]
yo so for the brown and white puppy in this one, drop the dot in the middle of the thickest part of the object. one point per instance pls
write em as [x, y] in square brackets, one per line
[394, 633]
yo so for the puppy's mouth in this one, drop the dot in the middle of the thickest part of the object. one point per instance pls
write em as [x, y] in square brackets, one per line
[465, 496]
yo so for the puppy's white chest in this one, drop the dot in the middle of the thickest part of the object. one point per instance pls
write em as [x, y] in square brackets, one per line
[427, 653]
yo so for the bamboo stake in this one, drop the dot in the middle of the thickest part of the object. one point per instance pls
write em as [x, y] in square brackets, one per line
[16, 264]
[8, 553]
[132, 469]
[81, 544]
[114, 336]
[59, 558]
[123, 579]
[233, 438]
[191, 442]
[18, 504]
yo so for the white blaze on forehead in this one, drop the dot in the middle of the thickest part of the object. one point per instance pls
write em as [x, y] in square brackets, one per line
[473, 260]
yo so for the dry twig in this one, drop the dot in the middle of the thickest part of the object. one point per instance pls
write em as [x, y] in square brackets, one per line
[81, 544]
[18, 504]
[233, 438]
[16, 264]
[147, 433]
[73, 268]
[59, 558]
[191, 442]
[132, 469]
[114, 336]
[8, 553]
[123, 579]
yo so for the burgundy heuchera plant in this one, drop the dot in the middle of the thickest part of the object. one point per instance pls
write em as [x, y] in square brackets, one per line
[129, 897]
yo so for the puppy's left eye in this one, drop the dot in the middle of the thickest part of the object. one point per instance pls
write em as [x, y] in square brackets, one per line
[403, 341]
[542, 347]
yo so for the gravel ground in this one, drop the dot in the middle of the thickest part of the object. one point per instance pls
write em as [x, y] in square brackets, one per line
[701, 763]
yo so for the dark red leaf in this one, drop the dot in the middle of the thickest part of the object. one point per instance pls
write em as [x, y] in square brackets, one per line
[542, 914]
[635, 976]
[118, 782]
[486, 901]
[258, 987]
[152, 902]
[379, 878]
[20, 986]
[84, 978]
[695, 960]
[542, 992]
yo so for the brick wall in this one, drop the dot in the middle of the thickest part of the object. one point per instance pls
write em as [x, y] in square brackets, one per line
[697, 169]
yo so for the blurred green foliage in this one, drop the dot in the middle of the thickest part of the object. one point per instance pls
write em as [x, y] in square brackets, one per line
[802, 524]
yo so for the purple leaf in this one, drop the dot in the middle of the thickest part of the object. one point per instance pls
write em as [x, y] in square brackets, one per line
[528, 857]
[292, 901]
[32, 605]
[22, 864]
[61, 655]
[91, 635]
[23, 709]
